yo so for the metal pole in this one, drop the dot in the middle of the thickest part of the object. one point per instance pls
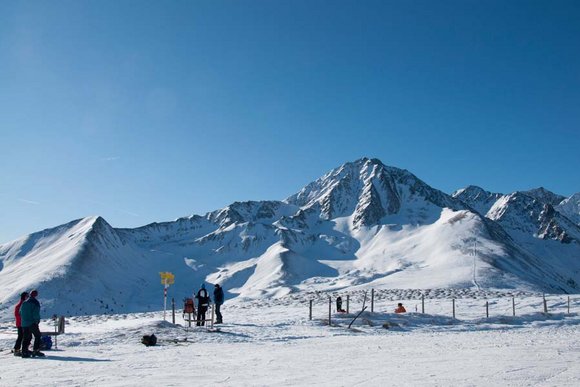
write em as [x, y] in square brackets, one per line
[165, 300]
[545, 304]
[486, 309]
[173, 309]
[310, 310]
[372, 300]
[454, 308]
[348, 302]
[568, 304]
[514, 306]
[329, 310]
[423, 304]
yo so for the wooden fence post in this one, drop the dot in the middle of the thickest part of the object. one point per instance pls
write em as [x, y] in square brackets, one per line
[514, 306]
[347, 303]
[545, 304]
[372, 300]
[487, 309]
[310, 310]
[329, 310]
[423, 304]
[453, 307]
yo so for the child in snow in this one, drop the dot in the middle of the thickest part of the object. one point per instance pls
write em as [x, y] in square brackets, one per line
[400, 308]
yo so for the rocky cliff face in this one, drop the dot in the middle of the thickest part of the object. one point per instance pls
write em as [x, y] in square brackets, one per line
[524, 214]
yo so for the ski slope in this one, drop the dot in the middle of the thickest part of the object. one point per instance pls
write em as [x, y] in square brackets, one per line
[273, 342]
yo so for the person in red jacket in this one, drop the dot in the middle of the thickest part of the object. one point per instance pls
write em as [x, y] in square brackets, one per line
[17, 346]
[400, 308]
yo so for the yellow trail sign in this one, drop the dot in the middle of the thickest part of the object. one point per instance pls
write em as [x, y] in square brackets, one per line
[167, 278]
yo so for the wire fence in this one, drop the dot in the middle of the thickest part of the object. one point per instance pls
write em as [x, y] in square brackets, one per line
[473, 306]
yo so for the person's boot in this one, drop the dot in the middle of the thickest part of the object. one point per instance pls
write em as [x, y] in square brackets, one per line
[25, 354]
[17, 352]
[37, 353]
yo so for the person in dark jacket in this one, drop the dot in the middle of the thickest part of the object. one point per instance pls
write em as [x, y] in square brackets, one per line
[18, 344]
[30, 318]
[218, 296]
[202, 304]
[339, 305]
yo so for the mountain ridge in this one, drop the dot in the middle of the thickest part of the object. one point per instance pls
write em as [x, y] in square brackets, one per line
[361, 224]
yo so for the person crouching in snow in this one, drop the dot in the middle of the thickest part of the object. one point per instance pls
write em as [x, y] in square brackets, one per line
[400, 308]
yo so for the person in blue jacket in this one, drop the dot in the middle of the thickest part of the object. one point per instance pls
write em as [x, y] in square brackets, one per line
[30, 318]
[218, 296]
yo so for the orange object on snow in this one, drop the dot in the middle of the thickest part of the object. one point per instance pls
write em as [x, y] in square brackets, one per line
[400, 309]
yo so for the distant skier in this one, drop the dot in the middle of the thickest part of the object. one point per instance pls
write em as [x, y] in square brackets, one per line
[339, 305]
[400, 308]
[202, 304]
[218, 296]
[18, 345]
[30, 315]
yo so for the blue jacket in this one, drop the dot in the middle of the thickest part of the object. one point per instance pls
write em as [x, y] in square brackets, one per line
[30, 312]
[218, 295]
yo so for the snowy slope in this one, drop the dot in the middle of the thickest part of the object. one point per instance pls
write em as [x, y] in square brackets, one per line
[570, 207]
[272, 342]
[361, 224]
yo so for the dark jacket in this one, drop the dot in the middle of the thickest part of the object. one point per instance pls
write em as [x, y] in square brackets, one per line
[202, 297]
[218, 295]
[30, 312]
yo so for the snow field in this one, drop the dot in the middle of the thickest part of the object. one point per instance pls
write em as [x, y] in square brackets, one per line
[273, 343]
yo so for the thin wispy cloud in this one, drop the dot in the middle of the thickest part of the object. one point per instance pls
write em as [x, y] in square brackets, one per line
[112, 158]
[130, 213]
[28, 201]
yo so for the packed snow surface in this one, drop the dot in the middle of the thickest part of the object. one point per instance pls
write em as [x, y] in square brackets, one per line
[273, 342]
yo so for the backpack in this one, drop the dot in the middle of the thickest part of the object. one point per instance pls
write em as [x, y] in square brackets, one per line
[46, 342]
[149, 340]
[188, 307]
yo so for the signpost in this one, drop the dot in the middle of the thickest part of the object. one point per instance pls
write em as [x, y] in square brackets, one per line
[166, 280]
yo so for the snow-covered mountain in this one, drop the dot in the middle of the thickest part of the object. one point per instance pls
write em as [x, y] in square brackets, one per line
[363, 224]
[543, 195]
[477, 198]
[536, 213]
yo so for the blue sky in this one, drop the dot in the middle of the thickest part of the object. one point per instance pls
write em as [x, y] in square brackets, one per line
[147, 111]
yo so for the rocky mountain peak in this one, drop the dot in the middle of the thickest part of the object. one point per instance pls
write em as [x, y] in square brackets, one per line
[477, 198]
[545, 196]
[526, 214]
[366, 189]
